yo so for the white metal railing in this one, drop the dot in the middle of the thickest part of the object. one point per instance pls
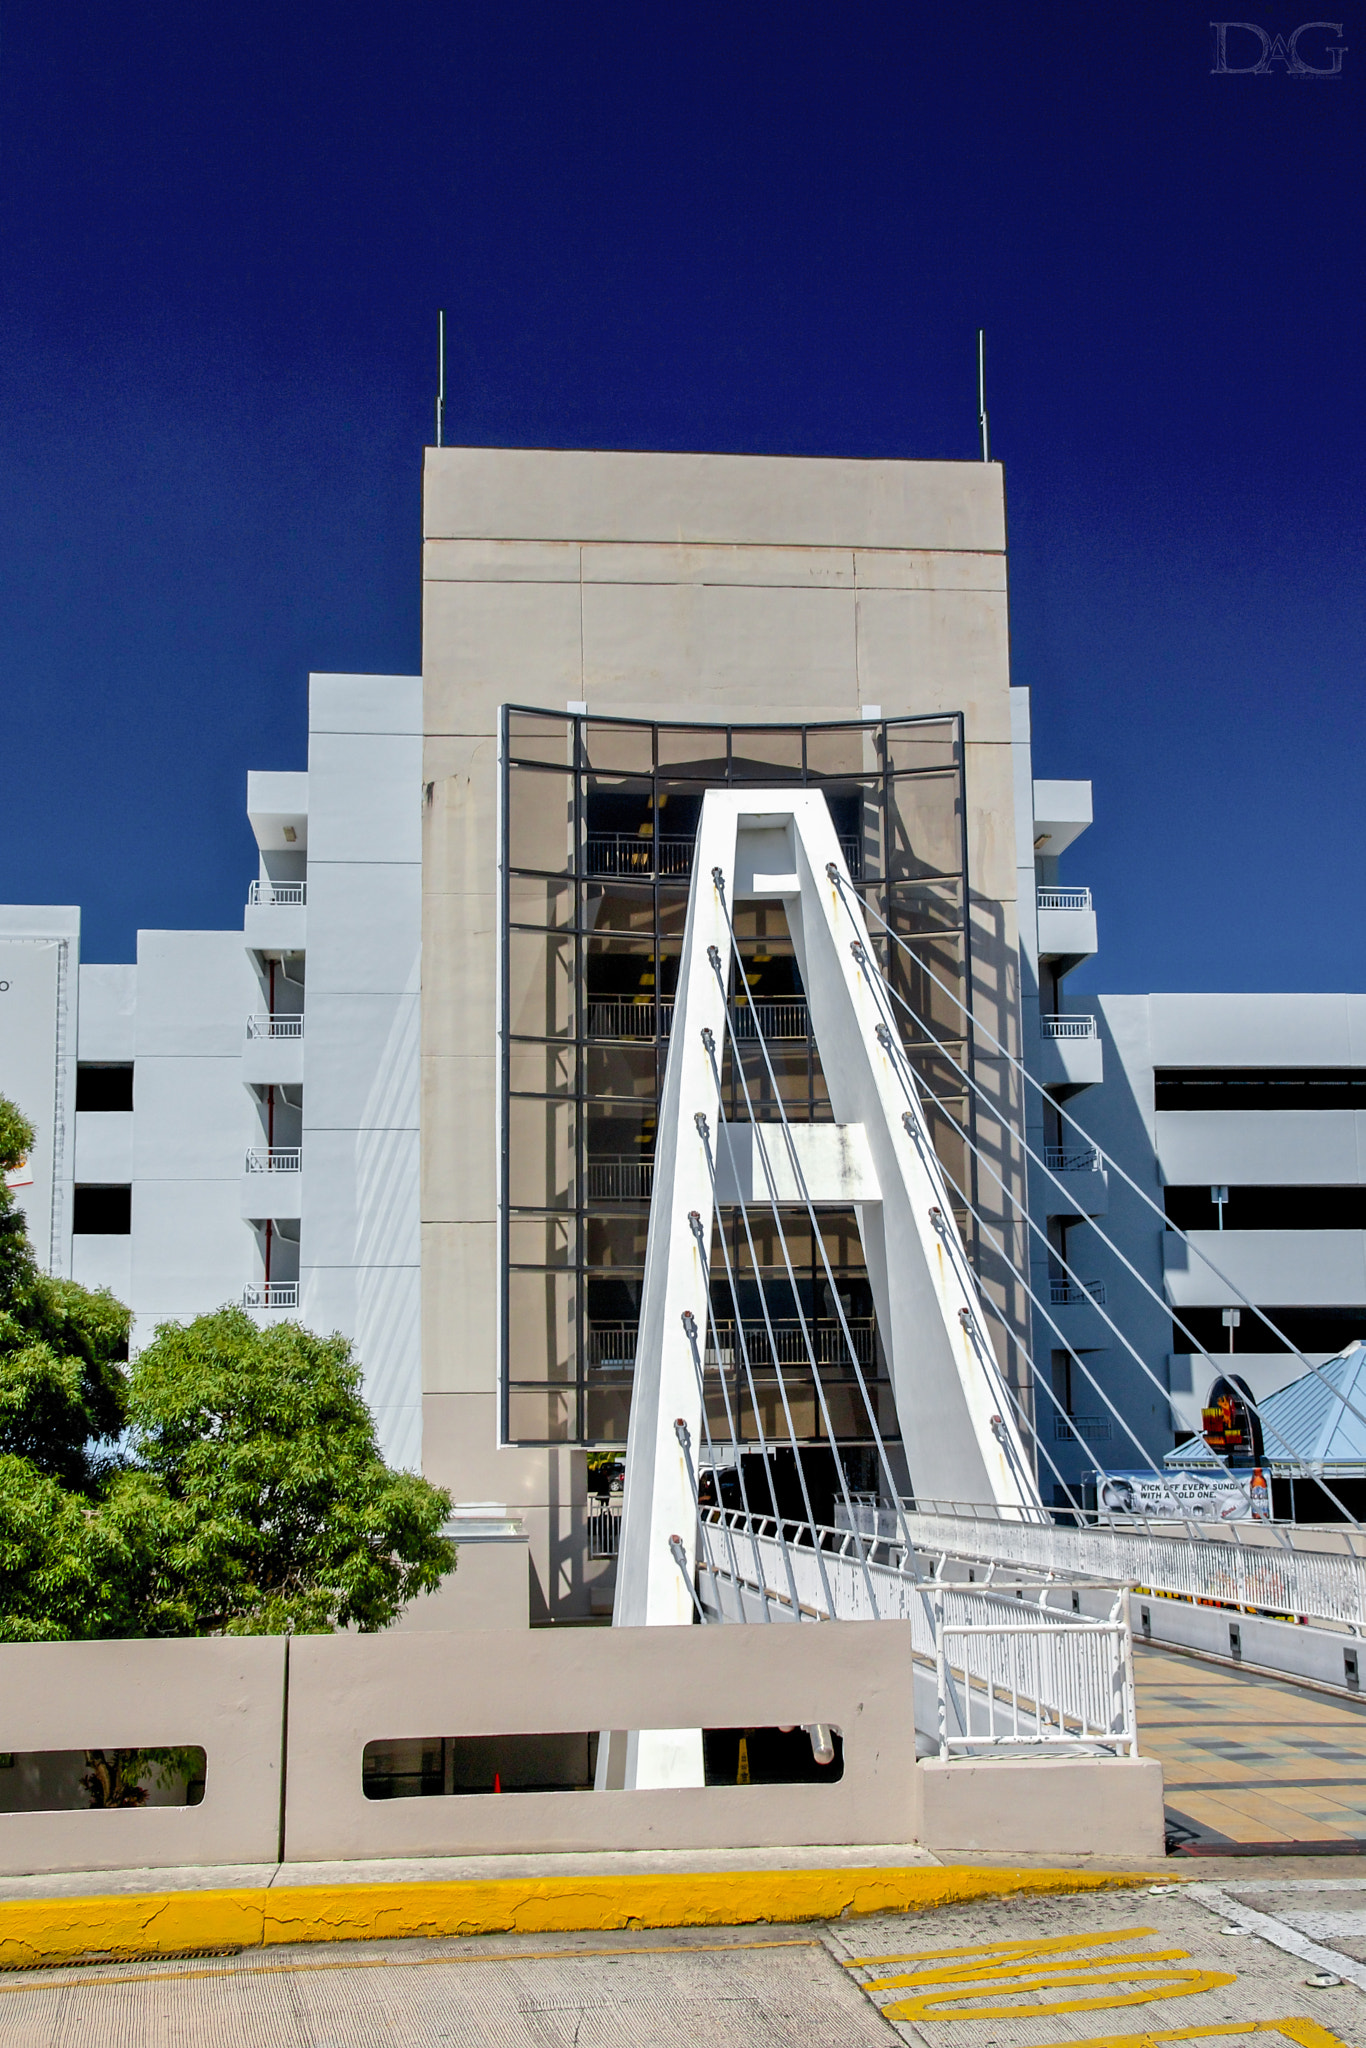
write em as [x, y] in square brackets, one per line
[612, 1346]
[1228, 1569]
[620, 1179]
[271, 1294]
[1088, 1429]
[1064, 899]
[604, 1531]
[1069, 1027]
[278, 1024]
[778, 1017]
[998, 1682]
[634, 853]
[1074, 1293]
[1072, 1158]
[269, 893]
[274, 1158]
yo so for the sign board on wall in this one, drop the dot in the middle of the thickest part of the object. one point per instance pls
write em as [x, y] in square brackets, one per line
[1176, 1496]
[31, 993]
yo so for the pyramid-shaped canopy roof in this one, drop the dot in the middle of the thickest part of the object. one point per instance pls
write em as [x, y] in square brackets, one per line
[1310, 1422]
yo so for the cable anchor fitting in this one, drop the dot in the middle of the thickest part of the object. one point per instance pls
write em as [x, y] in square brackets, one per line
[709, 1038]
[884, 1037]
[683, 1433]
[703, 1127]
[720, 881]
[689, 1321]
[833, 872]
[695, 1224]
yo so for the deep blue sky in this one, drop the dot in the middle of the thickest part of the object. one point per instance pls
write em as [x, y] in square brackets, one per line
[224, 233]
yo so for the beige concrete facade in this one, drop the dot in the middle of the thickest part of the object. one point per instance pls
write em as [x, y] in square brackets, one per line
[664, 587]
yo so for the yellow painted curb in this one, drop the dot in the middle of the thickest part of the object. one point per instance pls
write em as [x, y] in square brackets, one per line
[36, 1931]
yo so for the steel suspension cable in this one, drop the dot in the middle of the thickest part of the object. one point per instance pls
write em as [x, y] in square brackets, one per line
[690, 1330]
[879, 983]
[975, 1025]
[709, 1043]
[817, 1237]
[818, 1383]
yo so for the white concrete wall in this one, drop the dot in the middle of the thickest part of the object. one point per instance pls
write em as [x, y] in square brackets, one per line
[360, 1240]
[39, 959]
[193, 1121]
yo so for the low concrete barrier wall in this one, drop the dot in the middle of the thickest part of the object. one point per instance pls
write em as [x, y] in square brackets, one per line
[1329, 1656]
[224, 1696]
[347, 1691]
[228, 1697]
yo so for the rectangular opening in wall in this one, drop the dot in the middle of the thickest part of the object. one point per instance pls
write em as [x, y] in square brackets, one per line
[86, 1780]
[104, 1086]
[101, 1211]
[431, 1766]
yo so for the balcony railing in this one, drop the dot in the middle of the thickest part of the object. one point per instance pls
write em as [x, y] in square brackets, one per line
[783, 1017]
[269, 893]
[1064, 899]
[274, 1158]
[283, 1024]
[271, 1294]
[1087, 1429]
[1075, 1293]
[604, 1530]
[612, 1346]
[630, 853]
[1072, 1158]
[624, 1179]
[1068, 1027]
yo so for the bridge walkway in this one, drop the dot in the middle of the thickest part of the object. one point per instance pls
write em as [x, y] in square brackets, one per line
[1252, 1759]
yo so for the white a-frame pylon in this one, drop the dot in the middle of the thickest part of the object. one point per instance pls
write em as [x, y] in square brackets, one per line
[953, 1408]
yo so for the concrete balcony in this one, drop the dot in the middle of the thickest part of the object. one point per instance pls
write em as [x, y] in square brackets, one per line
[271, 1294]
[1067, 927]
[1299, 1268]
[1070, 1055]
[1076, 1184]
[1070, 1313]
[276, 917]
[271, 1183]
[273, 1053]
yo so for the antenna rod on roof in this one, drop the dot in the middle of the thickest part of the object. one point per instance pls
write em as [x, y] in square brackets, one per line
[440, 378]
[982, 426]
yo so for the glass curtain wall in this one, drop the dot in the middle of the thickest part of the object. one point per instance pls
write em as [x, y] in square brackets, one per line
[599, 822]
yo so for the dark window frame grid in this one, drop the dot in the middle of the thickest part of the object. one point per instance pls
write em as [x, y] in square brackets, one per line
[574, 728]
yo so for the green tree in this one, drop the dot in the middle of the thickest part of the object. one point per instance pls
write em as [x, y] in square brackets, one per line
[227, 1481]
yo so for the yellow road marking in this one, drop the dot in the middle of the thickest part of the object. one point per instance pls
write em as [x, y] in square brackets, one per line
[1306, 2033]
[1041, 1947]
[993, 1972]
[1184, 1984]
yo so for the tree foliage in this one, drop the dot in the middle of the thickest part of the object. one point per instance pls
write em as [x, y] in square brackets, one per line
[227, 1481]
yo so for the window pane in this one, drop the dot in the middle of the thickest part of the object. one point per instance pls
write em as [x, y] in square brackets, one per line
[612, 1241]
[619, 749]
[932, 743]
[541, 1240]
[693, 750]
[541, 1069]
[540, 820]
[542, 1326]
[615, 906]
[539, 1416]
[540, 736]
[621, 1070]
[540, 986]
[609, 1413]
[924, 828]
[843, 750]
[534, 900]
[541, 1170]
[766, 756]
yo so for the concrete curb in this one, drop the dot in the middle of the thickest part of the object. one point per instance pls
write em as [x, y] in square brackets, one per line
[62, 1930]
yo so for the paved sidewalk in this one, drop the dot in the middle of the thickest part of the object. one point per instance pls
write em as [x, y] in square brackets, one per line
[1078, 1967]
[1251, 1759]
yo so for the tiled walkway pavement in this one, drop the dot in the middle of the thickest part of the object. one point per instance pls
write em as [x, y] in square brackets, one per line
[1249, 1759]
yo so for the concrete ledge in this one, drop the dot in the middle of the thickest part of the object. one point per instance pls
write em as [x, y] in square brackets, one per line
[34, 1932]
[1106, 1807]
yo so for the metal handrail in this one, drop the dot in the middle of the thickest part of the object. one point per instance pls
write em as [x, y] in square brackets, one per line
[636, 1017]
[612, 1346]
[1087, 1429]
[1227, 1568]
[1069, 1027]
[277, 1024]
[636, 853]
[620, 1178]
[1075, 1293]
[275, 893]
[274, 1158]
[1072, 1158]
[1064, 899]
[271, 1294]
